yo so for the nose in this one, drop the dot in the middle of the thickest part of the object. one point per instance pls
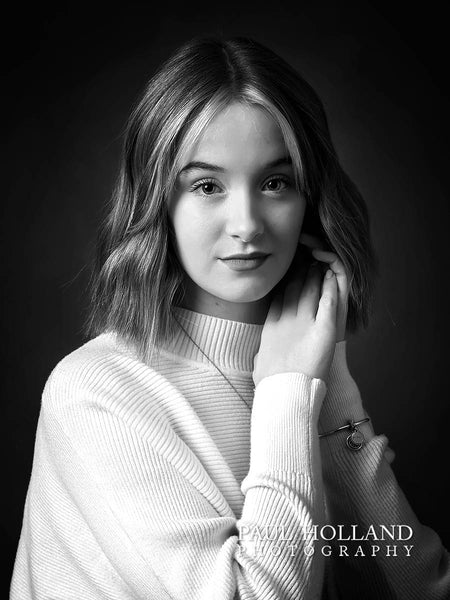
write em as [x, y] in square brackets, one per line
[244, 218]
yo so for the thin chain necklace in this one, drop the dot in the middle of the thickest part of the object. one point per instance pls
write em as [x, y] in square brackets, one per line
[213, 364]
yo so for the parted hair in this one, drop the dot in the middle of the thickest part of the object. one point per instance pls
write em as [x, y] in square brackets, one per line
[137, 277]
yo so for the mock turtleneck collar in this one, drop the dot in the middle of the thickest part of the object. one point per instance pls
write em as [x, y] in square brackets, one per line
[229, 344]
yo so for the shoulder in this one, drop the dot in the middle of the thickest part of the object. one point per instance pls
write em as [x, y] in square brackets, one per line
[103, 374]
[87, 366]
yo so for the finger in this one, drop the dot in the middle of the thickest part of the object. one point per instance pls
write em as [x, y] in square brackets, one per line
[310, 294]
[336, 265]
[331, 258]
[327, 310]
[312, 241]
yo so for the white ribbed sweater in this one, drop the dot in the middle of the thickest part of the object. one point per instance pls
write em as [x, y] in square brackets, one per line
[157, 481]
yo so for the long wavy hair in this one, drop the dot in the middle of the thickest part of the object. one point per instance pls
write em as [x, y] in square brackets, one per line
[137, 277]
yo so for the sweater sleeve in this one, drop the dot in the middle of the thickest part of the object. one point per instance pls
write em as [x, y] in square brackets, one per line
[120, 508]
[361, 490]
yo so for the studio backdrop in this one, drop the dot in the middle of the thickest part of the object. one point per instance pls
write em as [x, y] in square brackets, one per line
[73, 76]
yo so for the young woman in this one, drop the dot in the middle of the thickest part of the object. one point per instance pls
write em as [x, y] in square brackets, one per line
[210, 442]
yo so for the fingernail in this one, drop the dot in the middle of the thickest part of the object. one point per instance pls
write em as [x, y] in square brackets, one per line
[329, 274]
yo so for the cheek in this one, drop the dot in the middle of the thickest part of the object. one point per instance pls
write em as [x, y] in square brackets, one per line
[194, 235]
[291, 225]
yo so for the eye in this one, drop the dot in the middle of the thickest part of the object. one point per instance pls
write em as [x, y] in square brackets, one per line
[205, 187]
[276, 184]
[208, 188]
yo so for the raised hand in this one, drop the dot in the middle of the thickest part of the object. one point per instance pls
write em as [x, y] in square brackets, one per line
[299, 333]
[337, 266]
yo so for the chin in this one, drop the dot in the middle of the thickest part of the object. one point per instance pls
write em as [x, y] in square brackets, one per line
[245, 296]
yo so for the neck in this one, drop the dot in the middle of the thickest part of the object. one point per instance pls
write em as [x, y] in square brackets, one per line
[228, 344]
[245, 312]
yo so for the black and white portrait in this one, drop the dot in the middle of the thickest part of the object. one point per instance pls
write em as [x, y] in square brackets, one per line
[225, 253]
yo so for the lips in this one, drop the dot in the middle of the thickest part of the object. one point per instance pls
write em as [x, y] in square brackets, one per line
[245, 261]
[246, 256]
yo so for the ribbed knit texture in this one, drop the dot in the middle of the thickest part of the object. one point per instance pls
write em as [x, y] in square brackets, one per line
[159, 481]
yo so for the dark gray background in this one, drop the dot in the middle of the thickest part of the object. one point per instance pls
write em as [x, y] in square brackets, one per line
[382, 73]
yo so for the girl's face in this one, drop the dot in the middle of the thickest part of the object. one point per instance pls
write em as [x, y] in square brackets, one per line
[236, 214]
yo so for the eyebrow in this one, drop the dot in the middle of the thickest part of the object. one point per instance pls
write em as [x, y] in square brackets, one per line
[204, 166]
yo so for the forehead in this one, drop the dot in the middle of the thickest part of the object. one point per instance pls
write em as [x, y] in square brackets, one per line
[240, 135]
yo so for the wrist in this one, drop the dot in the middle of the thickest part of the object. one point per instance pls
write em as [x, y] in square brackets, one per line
[343, 400]
[285, 416]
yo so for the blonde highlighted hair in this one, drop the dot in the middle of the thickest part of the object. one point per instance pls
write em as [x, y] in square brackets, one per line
[137, 277]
